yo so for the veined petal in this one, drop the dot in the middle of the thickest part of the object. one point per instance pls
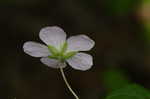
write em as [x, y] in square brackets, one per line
[81, 61]
[80, 43]
[35, 49]
[53, 63]
[53, 36]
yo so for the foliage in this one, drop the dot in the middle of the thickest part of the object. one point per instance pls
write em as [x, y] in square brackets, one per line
[120, 7]
[115, 79]
[122, 88]
[132, 91]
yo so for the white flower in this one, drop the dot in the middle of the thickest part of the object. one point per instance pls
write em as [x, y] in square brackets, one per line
[59, 50]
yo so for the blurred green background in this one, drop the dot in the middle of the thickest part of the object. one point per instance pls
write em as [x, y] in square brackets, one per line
[120, 28]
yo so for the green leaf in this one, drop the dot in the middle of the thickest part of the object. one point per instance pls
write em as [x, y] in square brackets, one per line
[115, 79]
[146, 1]
[120, 7]
[132, 91]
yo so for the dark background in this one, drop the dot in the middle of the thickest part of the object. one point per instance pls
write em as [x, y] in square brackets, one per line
[115, 25]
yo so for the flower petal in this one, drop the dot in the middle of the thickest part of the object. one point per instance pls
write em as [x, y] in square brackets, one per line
[52, 62]
[81, 61]
[80, 43]
[35, 49]
[53, 36]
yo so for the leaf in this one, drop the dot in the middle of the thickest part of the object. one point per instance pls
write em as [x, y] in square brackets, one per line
[115, 79]
[120, 7]
[132, 91]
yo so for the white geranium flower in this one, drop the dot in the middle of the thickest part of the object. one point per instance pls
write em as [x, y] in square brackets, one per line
[59, 50]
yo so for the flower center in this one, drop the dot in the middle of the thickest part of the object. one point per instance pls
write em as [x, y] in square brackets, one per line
[61, 54]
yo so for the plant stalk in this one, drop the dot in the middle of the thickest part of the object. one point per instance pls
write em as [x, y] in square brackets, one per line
[67, 84]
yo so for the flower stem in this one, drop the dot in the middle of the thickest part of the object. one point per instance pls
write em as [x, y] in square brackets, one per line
[66, 82]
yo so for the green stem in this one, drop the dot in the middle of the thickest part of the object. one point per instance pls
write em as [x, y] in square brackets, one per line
[66, 82]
